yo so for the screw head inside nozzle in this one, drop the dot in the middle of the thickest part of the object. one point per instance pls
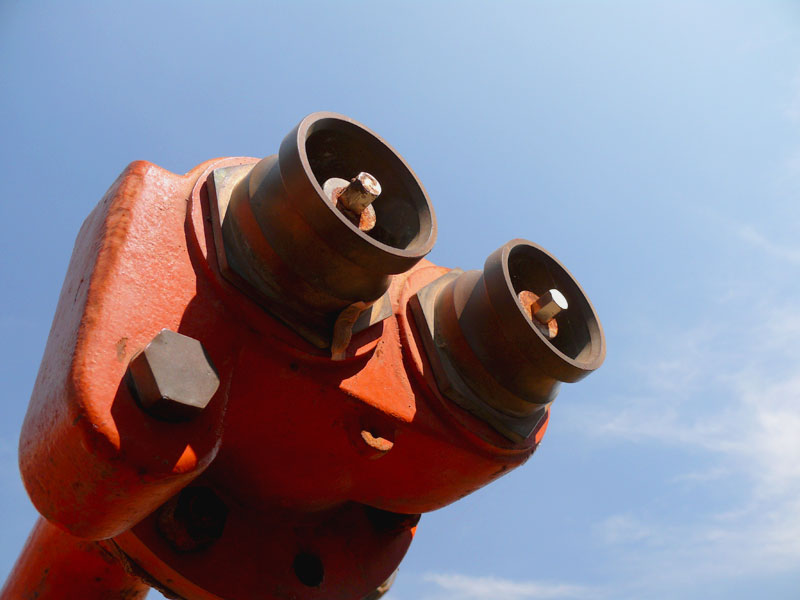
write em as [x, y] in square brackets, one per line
[354, 198]
[360, 192]
[548, 305]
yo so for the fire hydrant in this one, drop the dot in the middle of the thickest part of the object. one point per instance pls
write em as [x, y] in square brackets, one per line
[254, 383]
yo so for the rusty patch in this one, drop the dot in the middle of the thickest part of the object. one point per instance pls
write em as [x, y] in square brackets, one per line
[343, 329]
[527, 299]
[365, 221]
[133, 568]
[376, 442]
[354, 200]
[121, 347]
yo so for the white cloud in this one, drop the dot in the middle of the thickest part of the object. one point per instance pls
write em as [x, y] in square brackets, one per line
[466, 587]
[728, 392]
[623, 529]
[749, 234]
[703, 476]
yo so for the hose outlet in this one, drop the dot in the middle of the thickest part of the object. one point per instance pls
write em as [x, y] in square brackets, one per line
[324, 224]
[502, 340]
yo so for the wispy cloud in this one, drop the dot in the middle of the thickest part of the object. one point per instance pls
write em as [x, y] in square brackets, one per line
[454, 586]
[750, 235]
[728, 391]
[703, 476]
[623, 529]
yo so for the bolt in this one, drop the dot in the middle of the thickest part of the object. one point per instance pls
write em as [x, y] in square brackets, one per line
[354, 198]
[173, 378]
[543, 309]
[548, 305]
[360, 192]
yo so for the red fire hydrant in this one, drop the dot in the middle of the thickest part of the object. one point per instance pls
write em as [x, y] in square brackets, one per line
[254, 384]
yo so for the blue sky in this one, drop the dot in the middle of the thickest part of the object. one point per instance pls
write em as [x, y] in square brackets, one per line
[652, 147]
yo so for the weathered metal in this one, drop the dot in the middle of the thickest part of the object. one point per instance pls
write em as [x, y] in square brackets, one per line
[326, 462]
[547, 306]
[488, 355]
[303, 257]
[543, 320]
[354, 199]
[56, 565]
[173, 378]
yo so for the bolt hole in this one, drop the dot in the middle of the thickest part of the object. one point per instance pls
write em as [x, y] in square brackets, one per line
[308, 568]
[192, 520]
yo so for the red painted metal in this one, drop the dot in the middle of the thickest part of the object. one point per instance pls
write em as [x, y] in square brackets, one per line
[53, 564]
[312, 457]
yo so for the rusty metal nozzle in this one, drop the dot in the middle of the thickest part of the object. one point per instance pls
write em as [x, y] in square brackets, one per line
[309, 259]
[490, 355]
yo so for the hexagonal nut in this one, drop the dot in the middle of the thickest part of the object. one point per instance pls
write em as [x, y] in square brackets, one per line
[173, 378]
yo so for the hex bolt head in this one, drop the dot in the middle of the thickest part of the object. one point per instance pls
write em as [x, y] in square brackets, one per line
[173, 378]
[548, 305]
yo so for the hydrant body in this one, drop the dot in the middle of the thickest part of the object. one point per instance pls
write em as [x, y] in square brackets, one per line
[302, 477]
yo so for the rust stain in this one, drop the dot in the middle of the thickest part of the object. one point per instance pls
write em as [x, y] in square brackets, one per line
[527, 298]
[377, 443]
[121, 347]
[364, 220]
